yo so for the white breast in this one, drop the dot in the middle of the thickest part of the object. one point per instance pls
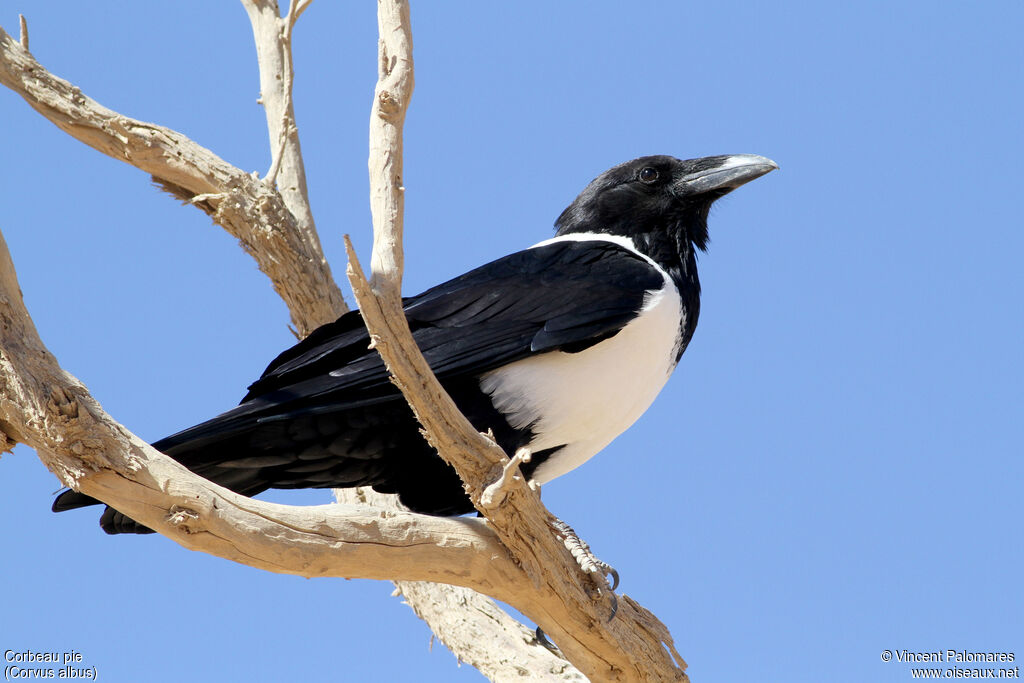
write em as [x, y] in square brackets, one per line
[586, 399]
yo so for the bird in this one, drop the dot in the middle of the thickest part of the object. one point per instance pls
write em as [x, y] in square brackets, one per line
[557, 348]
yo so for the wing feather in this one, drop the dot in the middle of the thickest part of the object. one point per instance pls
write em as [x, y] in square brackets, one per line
[565, 295]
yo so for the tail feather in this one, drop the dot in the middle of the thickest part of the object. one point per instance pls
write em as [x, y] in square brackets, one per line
[72, 500]
[112, 521]
[375, 443]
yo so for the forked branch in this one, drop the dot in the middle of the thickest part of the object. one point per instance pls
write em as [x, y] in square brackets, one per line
[633, 646]
[267, 222]
[242, 204]
[513, 556]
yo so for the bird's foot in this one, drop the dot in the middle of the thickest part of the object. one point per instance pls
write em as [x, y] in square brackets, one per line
[590, 563]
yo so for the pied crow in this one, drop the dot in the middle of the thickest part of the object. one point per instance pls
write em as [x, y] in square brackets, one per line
[558, 348]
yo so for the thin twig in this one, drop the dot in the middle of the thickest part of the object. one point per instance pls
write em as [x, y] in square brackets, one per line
[23, 33]
[287, 124]
[303, 6]
[272, 35]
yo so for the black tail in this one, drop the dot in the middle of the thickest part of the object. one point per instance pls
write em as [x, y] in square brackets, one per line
[283, 444]
[377, 446]
[112, 521]
[187, 447]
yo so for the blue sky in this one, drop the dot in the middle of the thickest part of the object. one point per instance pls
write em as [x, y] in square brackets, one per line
[834, 469]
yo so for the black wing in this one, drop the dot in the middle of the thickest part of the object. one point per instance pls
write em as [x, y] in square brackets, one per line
[325, 414]
[565, 296]
[561, 296]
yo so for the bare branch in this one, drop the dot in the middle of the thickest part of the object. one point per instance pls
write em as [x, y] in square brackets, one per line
[273, 34]
[49, 410]
[633, 646]
[303, 6]
[290, 130]
[387, 116]
[46, 408]
[502, 650]
[291, 17]
[23, 32]
[255, 214]
[273, 41]
[470, 624]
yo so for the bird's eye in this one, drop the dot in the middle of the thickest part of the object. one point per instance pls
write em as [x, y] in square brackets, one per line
[648, 175]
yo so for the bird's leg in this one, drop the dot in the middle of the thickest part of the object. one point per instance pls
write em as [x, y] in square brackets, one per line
[495, 494]
[589, 562]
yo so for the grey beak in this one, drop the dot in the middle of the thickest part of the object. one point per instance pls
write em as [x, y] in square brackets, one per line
[725, 173]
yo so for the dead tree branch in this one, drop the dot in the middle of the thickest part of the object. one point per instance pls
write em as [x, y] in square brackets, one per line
[473, 626]
[273, 36]
[23, 31]
[46, 408]
[514, 556]
[257, 215]
[478, 619]
[268, 225]
[631, 647]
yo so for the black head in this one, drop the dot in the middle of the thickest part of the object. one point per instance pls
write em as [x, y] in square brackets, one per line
[660, 198]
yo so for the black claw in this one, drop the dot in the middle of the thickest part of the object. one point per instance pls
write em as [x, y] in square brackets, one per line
[543, 640]
[615, 577]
